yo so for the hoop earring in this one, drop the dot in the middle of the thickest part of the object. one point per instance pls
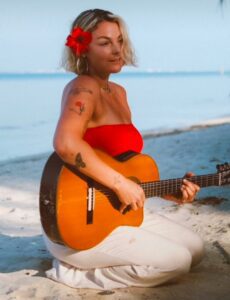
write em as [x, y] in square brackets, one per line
[78, 65]
[86, 65]
[82, 65]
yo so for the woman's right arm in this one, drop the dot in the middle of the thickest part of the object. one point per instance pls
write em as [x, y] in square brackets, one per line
[79, 102]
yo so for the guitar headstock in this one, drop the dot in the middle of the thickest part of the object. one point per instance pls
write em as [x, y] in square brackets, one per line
[224, 171]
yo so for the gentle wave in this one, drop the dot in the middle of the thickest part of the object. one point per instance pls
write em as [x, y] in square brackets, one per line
[208, 123]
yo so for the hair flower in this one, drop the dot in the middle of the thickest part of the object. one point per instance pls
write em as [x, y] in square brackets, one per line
[79, 40]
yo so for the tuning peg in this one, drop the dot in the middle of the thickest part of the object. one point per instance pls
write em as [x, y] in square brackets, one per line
[226, 165]
[219, 168]
[223, 167]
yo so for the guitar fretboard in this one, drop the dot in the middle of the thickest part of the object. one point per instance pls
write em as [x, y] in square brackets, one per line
[172, 186]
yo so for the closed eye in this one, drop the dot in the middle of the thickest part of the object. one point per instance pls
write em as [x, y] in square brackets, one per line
[104, 44]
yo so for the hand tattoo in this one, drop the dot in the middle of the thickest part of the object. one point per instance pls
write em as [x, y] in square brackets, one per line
[79, 163]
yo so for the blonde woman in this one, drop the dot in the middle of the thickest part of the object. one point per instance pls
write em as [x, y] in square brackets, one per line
[95, 114]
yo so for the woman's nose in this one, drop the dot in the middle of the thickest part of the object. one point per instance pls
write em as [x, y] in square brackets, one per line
[116, 48]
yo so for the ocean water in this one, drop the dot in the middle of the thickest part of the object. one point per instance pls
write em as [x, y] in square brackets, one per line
[30, 104]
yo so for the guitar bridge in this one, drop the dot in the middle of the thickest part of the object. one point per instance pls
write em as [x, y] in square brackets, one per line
[90, 204]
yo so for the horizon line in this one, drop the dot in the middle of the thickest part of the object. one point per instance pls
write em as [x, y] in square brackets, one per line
[150, 72]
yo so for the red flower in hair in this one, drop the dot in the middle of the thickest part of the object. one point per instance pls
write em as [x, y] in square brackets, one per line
[79, 40]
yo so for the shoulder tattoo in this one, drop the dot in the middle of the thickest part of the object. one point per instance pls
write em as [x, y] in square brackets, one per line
[78, 90]
[78, 108]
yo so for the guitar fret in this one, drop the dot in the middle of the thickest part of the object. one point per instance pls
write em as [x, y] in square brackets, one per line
[172, 186]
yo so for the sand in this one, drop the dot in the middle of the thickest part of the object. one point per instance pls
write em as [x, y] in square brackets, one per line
[24, 258]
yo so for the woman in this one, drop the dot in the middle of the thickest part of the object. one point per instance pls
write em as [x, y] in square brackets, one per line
[95, 114]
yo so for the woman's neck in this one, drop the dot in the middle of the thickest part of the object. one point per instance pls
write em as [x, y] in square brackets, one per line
[103, 82]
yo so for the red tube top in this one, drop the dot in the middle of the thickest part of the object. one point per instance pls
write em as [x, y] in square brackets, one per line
[114, 139]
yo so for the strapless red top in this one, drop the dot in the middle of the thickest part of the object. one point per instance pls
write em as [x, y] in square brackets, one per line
[114, 139]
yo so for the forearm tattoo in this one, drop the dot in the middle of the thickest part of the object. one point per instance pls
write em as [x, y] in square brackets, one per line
[79, 163]
[117, 180]
[78, 108]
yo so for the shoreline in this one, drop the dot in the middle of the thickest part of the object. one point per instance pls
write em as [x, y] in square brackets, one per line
[198, 126]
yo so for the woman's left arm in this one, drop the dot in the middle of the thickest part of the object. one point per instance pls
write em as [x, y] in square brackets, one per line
[187, 192]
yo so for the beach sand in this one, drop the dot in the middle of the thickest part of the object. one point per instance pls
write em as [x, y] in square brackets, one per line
[24, 258]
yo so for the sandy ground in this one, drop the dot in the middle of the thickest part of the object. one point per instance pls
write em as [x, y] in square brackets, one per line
[24, 258]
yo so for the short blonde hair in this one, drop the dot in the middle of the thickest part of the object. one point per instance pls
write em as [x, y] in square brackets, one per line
[88, 21]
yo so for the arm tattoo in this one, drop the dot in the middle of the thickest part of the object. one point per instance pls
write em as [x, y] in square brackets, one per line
[79, 107]
[79, 163]
[78, 90]
[117, 180]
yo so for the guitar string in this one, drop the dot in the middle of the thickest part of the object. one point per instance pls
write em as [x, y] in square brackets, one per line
[162, 186]
[102, 192]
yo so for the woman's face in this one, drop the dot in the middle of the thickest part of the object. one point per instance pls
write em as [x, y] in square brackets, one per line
[104, 54]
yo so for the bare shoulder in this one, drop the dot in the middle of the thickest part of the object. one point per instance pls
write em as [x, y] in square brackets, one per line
[82, 86]
[78, 104]
[119, 89]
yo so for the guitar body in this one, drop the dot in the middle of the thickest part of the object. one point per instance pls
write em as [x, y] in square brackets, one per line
[77, 211]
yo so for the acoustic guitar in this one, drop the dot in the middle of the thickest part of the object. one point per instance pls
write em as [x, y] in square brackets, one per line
[79, 212]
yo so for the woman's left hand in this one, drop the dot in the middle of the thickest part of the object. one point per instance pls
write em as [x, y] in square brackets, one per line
[188, 189]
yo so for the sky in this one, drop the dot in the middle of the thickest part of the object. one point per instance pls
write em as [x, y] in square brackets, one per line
[167, 35]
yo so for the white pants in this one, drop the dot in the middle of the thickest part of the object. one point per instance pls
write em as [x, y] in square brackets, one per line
[156, 252]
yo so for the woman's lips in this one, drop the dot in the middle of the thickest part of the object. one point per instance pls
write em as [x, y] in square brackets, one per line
[117, 60]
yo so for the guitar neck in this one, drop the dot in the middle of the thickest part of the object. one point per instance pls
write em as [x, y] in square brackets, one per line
[172, 186]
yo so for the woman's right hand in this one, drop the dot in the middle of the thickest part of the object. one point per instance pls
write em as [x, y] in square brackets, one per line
[130, 194]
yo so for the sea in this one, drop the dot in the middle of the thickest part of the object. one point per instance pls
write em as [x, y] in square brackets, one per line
[160, 101]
